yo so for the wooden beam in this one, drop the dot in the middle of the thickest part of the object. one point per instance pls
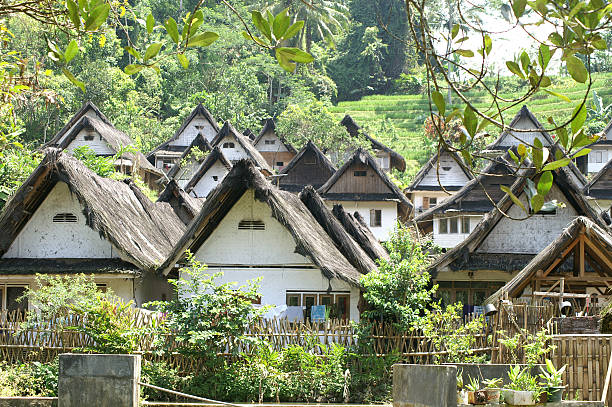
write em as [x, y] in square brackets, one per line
[605, 259]
[574, 279]
[560, 295]
[561, 257]
[581, 250]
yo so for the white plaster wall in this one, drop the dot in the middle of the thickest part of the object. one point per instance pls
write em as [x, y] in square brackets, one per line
[277, 281]
[417, 197]
[41, 238]
[450, 240]
[528, 236]
[207, 183]
[190, 132]
[277, 147]
[388, 214]
[438, 174]
[99, 146]
[527, 137]
[232, 154]
[605, 152]
[88, 113]
[228, 245]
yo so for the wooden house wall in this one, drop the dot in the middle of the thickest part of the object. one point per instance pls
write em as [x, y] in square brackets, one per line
[89, 113]
[98, 144]
[349, 183]
[307, 171]
[273, 157]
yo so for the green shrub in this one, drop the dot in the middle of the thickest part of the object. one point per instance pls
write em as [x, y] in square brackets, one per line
[33, 379]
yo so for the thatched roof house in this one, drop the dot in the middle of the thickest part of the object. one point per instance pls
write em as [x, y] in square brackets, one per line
[387, 157]
[599, 189]
[359, 231]
[601, 151]
[185, 206]
[581, 255]
[190, 160]
[236, 147]
[309, 167]
[277, 151]
[209, 174]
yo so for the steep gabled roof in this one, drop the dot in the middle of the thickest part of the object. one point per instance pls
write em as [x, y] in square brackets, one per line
[360, 233]
[325, 165]
[397, 161]
[143, 232]
[606, 135]
[199, 142]
[600, 186]
[363, 157]
[184, 205]
[215, 155]
[561, 178]
[270, 126]
[343, 240]
[596, 235]
[432, 164]
[87, 106]
[249, 134]
[115, 138]
[199, 110]
[310, 238]
[252, 153]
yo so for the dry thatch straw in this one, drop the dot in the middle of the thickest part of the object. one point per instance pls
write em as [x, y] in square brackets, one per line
[360, 232]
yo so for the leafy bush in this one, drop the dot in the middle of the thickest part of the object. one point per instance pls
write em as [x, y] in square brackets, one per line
[103, 166]
[408, 84]
[33, 379]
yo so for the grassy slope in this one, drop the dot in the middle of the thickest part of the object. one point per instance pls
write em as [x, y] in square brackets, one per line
[408, 112]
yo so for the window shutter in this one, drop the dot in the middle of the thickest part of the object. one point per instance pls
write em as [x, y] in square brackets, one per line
[425, 202]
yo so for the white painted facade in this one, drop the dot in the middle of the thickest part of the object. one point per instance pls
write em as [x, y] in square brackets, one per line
[449, 240]
[383, 159]
[513, 139]
[271, 143]
[95, 142]
[439, 196]
[529, 236]
[89, 113]
[599, 157]
[233, 151]
[389, 215]
[446, 172]
[270, 254]
[209, 180]
[199, 124]
[186, 172]
[43, 238]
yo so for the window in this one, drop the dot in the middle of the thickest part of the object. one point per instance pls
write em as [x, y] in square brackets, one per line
[294, 300]
[199, 126]
[270, 142]
[465, 224]
[64, 217]
[375, 217]
[280, 163]
[433, 202]
[309, 300]
[443, 227]
[337, 304]
[229, 144]
[9, 294]
[425, 202]
[598, 157]
[88, 136]
[545, 211]
[215, 178]
[246, 224]
[446, 168]
[454, 225]
[359, 173]
[466, 292]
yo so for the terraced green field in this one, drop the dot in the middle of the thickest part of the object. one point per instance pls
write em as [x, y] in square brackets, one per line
[408, 112]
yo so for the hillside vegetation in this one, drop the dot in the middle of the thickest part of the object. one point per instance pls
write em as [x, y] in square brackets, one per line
[408, 112]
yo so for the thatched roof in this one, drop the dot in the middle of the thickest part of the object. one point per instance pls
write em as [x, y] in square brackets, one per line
[600, 186]
[360, 232]
[86, 108]
[363, 157]
[295, 176]
[229, 131]
[10, 266]
[215, 155]
[310, 238]
[184, 205]
[431, 165]
[343, 240]
[198, 142]
[199, 110]
[249, 134]
[270, 126]
[598, 236]
[143, 232]
[397, 161]
[606, 135]
[462, 252]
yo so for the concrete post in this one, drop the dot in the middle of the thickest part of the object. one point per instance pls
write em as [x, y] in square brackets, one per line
[424, 386]
[98, 380]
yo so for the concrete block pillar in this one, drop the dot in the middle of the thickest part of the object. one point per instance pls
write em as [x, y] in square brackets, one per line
[98, 380]
[424, 386]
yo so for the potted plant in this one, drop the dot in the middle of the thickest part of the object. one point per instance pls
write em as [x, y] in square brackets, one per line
[492, 389]
[475, 394]
[523, 389]
[553, 381]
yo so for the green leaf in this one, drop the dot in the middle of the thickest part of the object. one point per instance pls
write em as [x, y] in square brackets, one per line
[183, 60]
[488, 44]
[258, 40]
[284, 62]
[281, 24]
[576, 69]
[537, 153]
[71, 50]
[73, 79]
[454, 31]
[545, 183]
[558, 95]
[579, 116]
[133, 69]
[262, 25]
[467, 157]
[73, 12]
[97, 17]
[152, 50]
[582, 152]
[544, 56]
[562, 136]
[470, 122]
[525, 61]
[465, 53]
[203, 40]
[172, 29]
[150, 23]
[133, 52]
[295, 54]
[515, 69]
[522, 150]
[518, 6]
[536, 202]
[293, 30]
[438, 100]
[556, 39]
[483, 124]
[599, 43]
[512, 196]
[556, 164]
[513, 156]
